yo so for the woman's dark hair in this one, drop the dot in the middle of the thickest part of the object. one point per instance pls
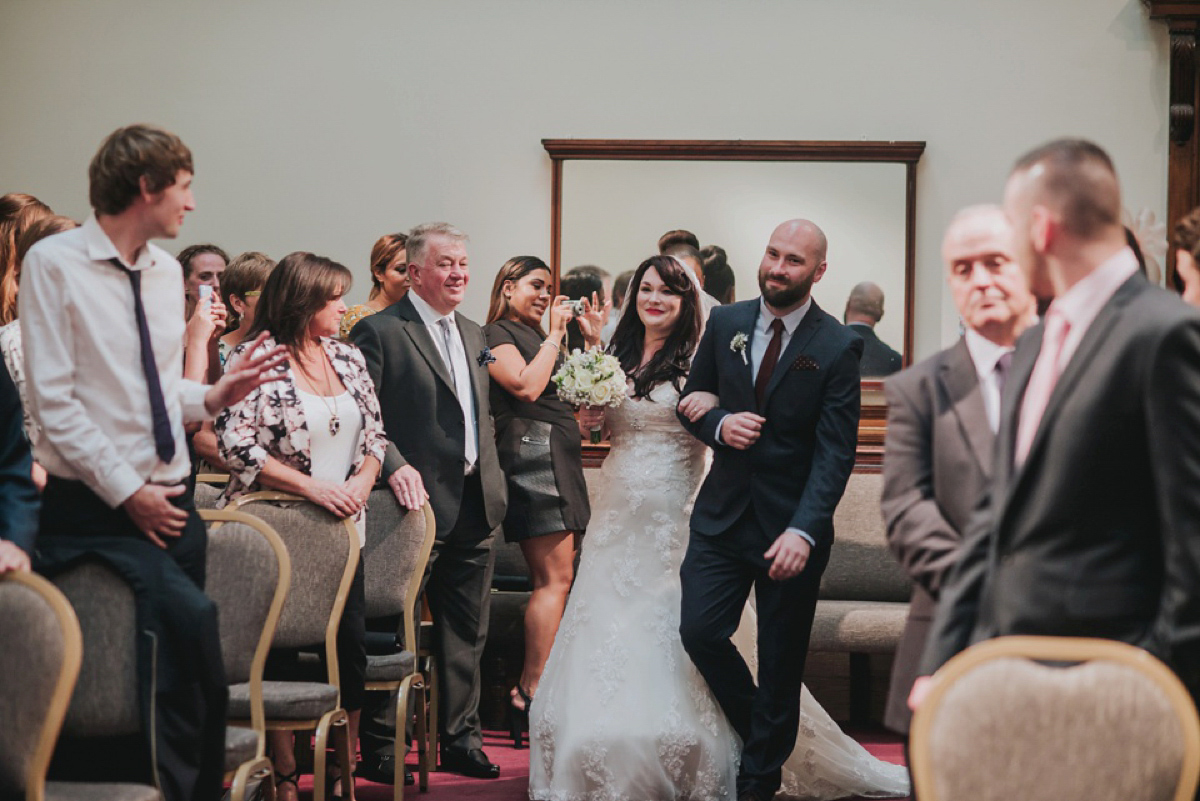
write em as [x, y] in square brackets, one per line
[17, 212]
[513, 270]
[295, 291]
[674, 358]
[383, 253]
[718, 275]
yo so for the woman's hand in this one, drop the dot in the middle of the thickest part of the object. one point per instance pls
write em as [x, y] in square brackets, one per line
[333, 497]
[560, 315]
[591, 322]
[207, 321]
[698, 404]
[591, 418]
[359, 486]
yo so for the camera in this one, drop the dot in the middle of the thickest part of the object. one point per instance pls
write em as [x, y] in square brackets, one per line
[576, 306]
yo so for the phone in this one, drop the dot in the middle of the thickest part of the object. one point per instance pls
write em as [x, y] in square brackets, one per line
[204, 292]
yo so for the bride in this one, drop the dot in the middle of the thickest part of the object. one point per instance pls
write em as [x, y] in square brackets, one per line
[621, 713]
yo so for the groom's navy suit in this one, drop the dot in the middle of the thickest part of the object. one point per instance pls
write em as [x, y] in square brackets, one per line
[792, 477]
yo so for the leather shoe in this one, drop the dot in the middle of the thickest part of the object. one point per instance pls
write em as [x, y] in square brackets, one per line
[473, 763]
[383, 771]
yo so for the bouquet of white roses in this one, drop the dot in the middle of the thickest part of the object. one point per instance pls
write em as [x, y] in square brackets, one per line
[591, 378]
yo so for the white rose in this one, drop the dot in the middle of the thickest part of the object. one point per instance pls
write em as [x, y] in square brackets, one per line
[584, 382]
[601, 394]
[567, 385]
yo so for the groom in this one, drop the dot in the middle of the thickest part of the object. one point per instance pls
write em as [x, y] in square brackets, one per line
[783, 437]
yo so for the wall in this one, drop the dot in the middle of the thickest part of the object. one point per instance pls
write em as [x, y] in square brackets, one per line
[320, 126]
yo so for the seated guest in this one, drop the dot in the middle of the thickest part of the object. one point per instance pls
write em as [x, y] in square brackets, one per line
[315, 432]
[678, 236]
[864, 310]
[717, 274]
[389, 280]
[202, 265]
[538, 441]
[18, 495]
[112, 410]
[17, 212]
[1187, 256]
[584, 285]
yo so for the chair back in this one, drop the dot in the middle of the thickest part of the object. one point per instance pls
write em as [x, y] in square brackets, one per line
[248, 576]
[395, 556]
[861, 568]
[40, 658]
[105, 700]
[1055, 718]
[323, 551]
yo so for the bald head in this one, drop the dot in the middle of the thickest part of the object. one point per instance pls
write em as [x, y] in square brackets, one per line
[809, 232]
[793, 262]
[865, 304]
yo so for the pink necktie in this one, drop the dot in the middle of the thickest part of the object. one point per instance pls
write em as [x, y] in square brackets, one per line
[1041, 384]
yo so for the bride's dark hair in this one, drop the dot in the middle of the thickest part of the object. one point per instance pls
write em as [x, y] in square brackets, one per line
[674, 358]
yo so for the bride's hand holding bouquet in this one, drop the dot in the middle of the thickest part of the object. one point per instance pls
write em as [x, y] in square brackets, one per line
[591, 380]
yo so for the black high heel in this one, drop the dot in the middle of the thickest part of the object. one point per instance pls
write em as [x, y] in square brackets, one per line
[519, 718]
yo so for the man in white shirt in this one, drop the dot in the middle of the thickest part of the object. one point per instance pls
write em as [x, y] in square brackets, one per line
[942, 419]
[102, 317]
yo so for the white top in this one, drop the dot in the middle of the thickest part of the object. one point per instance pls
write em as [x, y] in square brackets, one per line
[83, 366]
[456, 361]
[333, 454]
[986, 354]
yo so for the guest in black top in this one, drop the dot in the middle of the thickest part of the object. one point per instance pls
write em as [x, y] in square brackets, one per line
[538, 441]
[18, 495]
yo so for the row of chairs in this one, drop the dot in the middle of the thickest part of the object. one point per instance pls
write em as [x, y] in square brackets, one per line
[279, 569]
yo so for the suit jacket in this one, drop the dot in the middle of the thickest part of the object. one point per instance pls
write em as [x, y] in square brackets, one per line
[937, 459]
[796, 472]
[1097, 534]
[421, 412]
[18, 496]
[878, 358]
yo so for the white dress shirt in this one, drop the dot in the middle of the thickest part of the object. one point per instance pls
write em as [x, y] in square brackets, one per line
[456, 362]
[83, 363]
[986, 355]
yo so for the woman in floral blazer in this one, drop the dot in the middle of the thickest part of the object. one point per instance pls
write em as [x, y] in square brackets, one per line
[316, 432]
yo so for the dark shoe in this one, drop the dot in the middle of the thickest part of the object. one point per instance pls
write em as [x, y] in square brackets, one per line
[518, 717]
[383, 771]
[748, 795]
[473, 763]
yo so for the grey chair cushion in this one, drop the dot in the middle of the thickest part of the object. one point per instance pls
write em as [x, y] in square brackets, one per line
[31, 659]
[206, 495]
[241, 745]
[861, 568]
[242, 573]
[1013, 729]
[100, 791]
[285, 700]
[317, 544]
[863, 627]
[394, 537]
[105, 701]
[391, 667]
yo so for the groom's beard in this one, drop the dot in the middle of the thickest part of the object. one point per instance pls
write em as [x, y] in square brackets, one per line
[789, 295]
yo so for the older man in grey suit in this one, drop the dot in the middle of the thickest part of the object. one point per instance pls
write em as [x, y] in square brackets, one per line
[429, 365]
[942, 419]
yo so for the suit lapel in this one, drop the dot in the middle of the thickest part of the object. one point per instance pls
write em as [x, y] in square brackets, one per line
[960, 381]
[814, 318]
[746, 322]
[474, 345]
[418, 332]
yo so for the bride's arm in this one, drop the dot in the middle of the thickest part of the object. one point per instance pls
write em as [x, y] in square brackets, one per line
[703, 378]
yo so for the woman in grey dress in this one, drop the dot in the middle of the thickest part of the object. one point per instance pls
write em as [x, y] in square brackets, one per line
[538, 441]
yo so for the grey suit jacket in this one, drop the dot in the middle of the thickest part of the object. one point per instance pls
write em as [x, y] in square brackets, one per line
[421, 412]
[937, 459]
[1098, 532]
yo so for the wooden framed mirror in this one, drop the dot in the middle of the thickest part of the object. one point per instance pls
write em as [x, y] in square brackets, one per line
[612, 199]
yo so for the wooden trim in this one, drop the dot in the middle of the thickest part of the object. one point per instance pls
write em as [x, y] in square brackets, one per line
[910, 261]
[732, 150]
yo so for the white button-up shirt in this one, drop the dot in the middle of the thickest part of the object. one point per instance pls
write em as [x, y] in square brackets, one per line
[83, 364]
[986, 355]
[456, 363]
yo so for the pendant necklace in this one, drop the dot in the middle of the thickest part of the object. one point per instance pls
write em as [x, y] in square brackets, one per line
[335, 423]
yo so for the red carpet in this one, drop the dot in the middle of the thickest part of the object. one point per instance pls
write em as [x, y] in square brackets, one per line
[513, 783]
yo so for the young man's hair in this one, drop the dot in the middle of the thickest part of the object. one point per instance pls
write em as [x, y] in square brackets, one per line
[125, 157]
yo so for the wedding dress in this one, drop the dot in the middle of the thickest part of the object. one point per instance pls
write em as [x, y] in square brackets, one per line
[621, 713]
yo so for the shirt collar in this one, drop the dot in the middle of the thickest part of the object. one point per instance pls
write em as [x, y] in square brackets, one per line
[1080, 304]
[101, 248]
[428, 315]
[984, 352]
[790, 320]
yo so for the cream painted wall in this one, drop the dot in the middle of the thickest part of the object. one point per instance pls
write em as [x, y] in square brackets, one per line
[319, 126]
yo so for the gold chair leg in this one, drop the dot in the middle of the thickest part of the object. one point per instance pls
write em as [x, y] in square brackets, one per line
[343, 747]
[400, 752]
[257, 770]
[336, 717]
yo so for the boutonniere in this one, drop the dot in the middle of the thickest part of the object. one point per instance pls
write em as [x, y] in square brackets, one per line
[805, 363]
[485, 357]
[738, 345]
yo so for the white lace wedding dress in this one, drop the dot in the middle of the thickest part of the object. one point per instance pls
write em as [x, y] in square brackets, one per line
[621, 713]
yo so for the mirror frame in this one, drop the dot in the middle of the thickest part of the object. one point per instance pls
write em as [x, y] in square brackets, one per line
[873, 420]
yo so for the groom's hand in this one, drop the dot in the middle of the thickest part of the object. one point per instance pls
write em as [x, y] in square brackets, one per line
[790, 554]
[742, 430]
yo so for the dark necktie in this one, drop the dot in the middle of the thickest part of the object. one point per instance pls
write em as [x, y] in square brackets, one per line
[1002, 365]
[768, 363]
[164, 442]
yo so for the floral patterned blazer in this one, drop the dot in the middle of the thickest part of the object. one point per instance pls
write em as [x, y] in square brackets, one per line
[270, 422]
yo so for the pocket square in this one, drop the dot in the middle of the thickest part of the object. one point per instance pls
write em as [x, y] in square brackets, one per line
[805, 363]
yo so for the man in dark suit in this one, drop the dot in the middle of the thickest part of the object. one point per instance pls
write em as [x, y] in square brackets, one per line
[429, 365]
[942, 419]
[864, 310]
[783, 436]
[1091, 523]
[18, 495]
